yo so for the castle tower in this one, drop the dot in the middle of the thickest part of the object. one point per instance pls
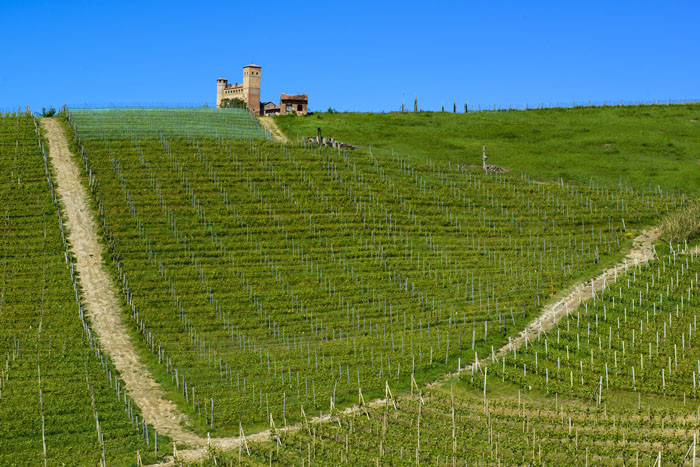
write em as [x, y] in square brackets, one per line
[251, 87]
[221, 84]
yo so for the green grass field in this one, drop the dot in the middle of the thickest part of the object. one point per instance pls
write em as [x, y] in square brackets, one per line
[643, 146]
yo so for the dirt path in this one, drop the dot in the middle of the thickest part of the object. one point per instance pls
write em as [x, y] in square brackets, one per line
[105, 316]
[642, 251]
[99, 293]
[269, 123]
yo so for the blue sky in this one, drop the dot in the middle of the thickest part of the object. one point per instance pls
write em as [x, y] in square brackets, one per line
[357, 56]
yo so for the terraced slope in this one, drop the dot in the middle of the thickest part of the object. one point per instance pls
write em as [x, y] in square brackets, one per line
[263, 278]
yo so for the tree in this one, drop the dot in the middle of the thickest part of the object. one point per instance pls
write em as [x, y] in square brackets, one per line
[466, 108]
[234, 103]
[48, 113]
[415, 104]
[454, 107]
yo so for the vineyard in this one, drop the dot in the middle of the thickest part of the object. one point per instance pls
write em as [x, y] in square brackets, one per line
[525, 414]
[635, 336]
[61, 400]
[264, 278]
[154, 123]
[461, 428]
[359, 308]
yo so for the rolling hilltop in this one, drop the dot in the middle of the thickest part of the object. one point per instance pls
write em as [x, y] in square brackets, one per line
[641, 146]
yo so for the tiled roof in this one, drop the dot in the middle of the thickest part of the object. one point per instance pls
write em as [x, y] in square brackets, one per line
[294, 97]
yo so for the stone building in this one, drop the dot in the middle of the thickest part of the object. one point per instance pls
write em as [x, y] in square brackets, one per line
[294, 103]
[249, 92]
[269, 108]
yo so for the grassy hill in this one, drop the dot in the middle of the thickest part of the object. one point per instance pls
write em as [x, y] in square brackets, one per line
[641, 145]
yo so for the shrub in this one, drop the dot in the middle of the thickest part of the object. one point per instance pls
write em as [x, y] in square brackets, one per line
[234, 103]
[684, 224]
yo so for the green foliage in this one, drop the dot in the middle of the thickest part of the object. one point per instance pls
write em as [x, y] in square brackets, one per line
[684, 224]
[473, 430]
[268, 278]
[152, 123]
[620, 370]
[48, 113]
[233, 103]
[635, 336]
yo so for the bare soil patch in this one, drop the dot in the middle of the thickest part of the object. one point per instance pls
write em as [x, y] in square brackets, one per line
[269, 123]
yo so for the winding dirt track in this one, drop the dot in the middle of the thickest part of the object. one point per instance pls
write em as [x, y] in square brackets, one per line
[269, 123]
[99, 295]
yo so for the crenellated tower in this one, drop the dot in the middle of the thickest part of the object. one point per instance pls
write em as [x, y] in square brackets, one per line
[251, 87]
[248, 91]
[221, 84]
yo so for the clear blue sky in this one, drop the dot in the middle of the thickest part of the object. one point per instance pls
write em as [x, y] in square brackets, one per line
[350, 55]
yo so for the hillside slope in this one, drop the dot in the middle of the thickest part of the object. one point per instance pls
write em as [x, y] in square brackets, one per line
[642, 146]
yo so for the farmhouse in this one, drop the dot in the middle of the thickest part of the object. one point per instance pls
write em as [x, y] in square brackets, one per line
[249, 93]
[294, 103]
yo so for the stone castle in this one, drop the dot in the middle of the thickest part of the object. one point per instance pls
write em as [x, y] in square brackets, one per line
[249, 92]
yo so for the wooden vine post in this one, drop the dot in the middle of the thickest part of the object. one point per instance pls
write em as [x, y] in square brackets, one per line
[420, 410]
